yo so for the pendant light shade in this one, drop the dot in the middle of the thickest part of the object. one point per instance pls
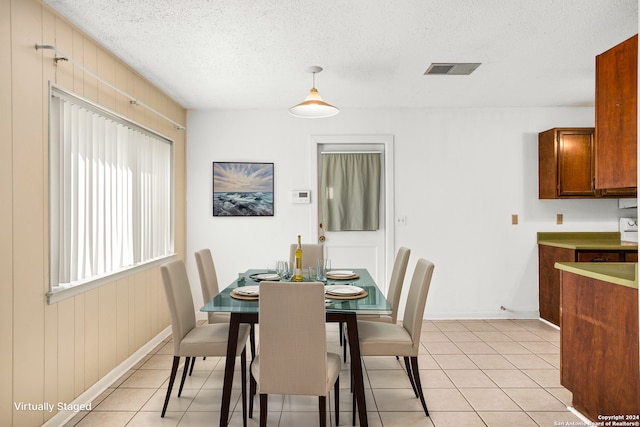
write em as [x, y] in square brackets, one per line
[313, 107]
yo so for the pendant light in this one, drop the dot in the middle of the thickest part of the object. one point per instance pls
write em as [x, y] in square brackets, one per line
[313, 107]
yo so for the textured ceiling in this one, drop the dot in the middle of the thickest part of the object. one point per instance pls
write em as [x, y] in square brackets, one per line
[230, 54]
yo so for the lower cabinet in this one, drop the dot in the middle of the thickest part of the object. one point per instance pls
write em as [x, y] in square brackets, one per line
[599, 348]
[549, 276]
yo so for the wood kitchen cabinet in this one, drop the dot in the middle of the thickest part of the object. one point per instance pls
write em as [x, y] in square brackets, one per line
[573, 247]
[616, 118]
[599, 346]
[566, 163]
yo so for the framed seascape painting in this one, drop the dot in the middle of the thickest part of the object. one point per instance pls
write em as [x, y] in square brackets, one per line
[242, 189]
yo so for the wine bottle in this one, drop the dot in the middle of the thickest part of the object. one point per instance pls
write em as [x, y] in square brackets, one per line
[297, 275]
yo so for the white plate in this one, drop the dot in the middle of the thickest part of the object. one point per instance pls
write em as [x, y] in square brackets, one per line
[248, 290]
[267, 276]
[340, 273]
[343, 290]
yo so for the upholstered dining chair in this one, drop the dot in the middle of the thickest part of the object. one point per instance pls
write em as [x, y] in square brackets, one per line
[209, 283]
[190, 340]
[395, 288]
[387, 339]
[311, 253]
[293, 358]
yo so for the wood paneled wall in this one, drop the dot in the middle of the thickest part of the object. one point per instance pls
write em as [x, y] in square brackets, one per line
[53, 353]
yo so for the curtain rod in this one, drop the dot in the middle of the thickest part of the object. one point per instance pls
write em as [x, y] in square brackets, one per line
[132, 100]
[351, 152]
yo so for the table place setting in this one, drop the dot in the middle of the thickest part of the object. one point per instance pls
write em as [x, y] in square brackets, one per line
[246, 292]
[344, 292]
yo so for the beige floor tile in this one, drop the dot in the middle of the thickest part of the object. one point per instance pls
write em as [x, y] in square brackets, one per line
[373, 418]
[106, 419]
[446, 400]
[523, 336]
[461, 373]
[95, 402]
[146, 378]
[510, 378]
[176, 404]
[550, 418]
[454, 361]
[161, 361]
[551, 359]
[201, 419]
[166, 348]
[426, 361]
[433, 336]
[382, 362]
[387, 378]
[447, 419]
[491, 336]
[428, 325]
[435, 379]
[562, 394]
[534, 399]
[208, 400]
[541, 347]
[491, 361]
[469, 378]
[476, 348]
[544, 377]
[462, 336]
[442, 348]
[142, 361]
[527, 361]
[297, 419]
[506, 325]
[396, 399]
[146, 419]
[489, 399]
[507, 419]
[123, 378]
[126, 399]
[216, 379]
[478, 326]
[449, 325]
[508, 347]
[404, 419]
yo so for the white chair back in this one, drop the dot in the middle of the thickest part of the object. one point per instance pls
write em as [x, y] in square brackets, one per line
[293, 350]
[179, 299]
[311, 253]
[397, 280]
[417, 300]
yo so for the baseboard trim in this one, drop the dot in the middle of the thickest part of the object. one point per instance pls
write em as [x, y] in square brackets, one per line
[490, 315]
[103, 383]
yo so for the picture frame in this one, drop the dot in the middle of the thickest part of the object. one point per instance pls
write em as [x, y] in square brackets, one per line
[243, 189]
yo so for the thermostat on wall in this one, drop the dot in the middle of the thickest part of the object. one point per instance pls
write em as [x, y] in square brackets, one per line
[301, 196]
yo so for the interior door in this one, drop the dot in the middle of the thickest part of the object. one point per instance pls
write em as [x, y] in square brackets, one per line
[358, 249]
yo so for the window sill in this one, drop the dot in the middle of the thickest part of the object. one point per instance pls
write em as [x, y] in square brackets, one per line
[63, 293]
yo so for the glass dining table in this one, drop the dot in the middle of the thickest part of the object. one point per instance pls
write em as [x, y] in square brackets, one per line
[342, 310]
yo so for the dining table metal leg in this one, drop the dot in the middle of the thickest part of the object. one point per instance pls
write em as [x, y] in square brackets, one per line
[356, 368]
[232, 345]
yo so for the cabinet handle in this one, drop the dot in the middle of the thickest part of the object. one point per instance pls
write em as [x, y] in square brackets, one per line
[599, 259]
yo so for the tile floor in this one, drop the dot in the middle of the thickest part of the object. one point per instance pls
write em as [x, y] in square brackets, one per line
[474, 373]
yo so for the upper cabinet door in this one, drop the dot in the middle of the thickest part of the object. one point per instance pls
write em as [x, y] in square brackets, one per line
[565, 163]
[616, 116]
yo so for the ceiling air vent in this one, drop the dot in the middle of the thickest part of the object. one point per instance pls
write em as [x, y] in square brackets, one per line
[452, 68]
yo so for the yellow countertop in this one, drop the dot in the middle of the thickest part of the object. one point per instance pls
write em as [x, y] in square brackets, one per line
[586, 241]
[619, 273]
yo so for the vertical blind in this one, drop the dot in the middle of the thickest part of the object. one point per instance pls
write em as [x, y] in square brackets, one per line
[110, 192]
[350, 184]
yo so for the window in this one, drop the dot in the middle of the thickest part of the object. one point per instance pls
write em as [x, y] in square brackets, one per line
[110, 194]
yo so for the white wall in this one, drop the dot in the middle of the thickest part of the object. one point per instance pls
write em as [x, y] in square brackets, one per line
[460, 175]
